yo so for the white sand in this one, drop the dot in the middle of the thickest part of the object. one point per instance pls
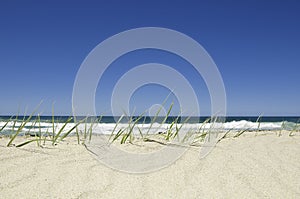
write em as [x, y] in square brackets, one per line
[263, 166]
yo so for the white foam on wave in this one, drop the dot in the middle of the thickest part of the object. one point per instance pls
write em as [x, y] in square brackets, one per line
[107, 128]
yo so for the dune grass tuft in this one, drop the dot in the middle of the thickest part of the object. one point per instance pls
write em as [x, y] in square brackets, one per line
[295, 128]
[23, 123]
[125, 133]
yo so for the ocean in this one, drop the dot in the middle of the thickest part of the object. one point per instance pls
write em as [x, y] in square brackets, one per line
[9, 124]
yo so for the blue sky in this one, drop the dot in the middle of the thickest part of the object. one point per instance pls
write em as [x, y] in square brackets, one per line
[255, 44]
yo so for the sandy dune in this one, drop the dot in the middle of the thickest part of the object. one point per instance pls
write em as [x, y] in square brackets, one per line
[262, 166]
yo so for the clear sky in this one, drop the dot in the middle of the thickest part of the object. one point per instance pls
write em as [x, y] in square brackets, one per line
[255, 44]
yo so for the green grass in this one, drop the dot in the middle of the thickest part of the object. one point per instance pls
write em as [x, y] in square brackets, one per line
[294, 129]
[77, 132]
[157, 112]
[282, 128]
[241, 132]
[258, 121]
[14, 123]
[1, 129]
[119, 133]
[128, 133]
[225, 134]
[56, 135]
[90, 131]
[39, 135]
[174, 129]
[23, 123]
[201, 133]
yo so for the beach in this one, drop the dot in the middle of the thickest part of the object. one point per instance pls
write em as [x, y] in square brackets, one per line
[253, 165]
[150, 99]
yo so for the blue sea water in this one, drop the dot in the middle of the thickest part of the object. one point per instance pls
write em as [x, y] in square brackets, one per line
[170, 119]
[106, 123]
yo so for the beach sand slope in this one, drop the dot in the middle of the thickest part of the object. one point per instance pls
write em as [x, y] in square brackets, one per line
[261, 166]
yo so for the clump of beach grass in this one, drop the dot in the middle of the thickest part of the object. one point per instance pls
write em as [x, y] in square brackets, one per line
[58, 134]
[126, 133]
[23, 123]
[38, 136]
[295, 128]
[201, 133]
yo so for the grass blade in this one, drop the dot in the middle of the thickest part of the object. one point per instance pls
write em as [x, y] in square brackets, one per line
[77, 132]
[294, 129]
[61, 129]
[158, 111]
[6, 124]
[119, 133]
[91, 127]
[240, 133]
[53, 122]
[115, 127]
[27, 142]
[22, 126]
[131, 129]
[69, 131]
[258, 121]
